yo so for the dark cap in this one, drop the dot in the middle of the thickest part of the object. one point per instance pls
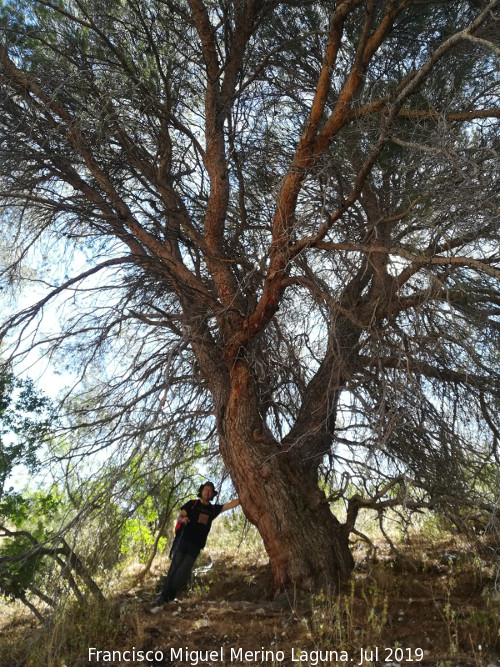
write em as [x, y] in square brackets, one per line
[208, 483]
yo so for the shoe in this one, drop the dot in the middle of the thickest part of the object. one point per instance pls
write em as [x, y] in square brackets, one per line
[163, 599]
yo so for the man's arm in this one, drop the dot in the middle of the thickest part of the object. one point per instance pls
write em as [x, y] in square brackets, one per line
[183, 517]
[230, 505]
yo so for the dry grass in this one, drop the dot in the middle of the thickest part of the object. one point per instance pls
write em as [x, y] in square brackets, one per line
[438, 596]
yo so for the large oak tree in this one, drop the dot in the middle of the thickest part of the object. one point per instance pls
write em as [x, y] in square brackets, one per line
[278, 220]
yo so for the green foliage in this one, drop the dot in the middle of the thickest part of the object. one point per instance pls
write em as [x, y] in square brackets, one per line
[26, 422]
[30, 519]
[17, 575]
[138, 535]
[15, 507]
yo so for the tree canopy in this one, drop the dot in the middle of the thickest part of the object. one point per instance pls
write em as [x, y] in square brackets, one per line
[270, 226]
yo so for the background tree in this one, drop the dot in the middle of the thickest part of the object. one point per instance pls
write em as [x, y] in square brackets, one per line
[276, 222]
[26, 423]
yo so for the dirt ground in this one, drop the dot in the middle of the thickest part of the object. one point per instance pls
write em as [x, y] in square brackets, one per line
[441, 609]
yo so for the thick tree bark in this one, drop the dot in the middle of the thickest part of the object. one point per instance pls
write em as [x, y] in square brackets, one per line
[278, 488]
[307, 545]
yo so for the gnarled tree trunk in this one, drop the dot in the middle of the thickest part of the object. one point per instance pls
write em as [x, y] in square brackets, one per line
[278, 488]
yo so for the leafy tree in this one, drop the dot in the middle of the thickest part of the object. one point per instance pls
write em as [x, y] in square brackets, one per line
[30, 542]
[26, 421]
[276, 224]
[32, 560]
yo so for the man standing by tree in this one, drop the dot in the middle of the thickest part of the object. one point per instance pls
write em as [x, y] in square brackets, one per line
[196, 518]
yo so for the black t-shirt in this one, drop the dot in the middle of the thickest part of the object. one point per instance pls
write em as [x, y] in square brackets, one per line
[200, 521]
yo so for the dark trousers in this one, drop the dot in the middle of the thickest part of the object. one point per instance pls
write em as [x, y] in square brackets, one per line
[180, 569]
